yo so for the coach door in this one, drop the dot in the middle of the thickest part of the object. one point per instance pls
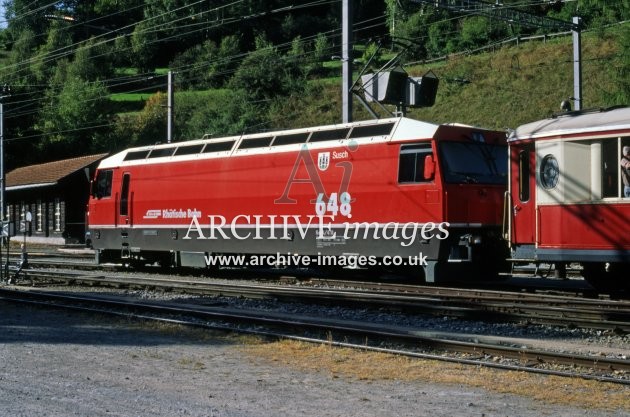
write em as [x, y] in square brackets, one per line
[523, 188]
[124, 204]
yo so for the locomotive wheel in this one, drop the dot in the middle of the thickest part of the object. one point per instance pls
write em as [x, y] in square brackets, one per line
[605, 276]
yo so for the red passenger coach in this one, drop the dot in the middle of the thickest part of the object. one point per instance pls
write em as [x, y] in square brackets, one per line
[393, 192]
[567, 194]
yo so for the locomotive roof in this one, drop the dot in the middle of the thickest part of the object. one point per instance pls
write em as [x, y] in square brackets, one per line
[384, 130]
[590, 121]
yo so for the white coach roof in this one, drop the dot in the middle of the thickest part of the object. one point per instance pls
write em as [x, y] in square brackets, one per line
[575, 122]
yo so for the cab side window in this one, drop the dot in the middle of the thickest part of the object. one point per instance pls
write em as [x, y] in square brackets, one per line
[103, 184]
[412, 161]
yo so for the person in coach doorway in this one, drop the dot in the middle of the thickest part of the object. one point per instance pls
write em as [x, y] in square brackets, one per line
[625, 171]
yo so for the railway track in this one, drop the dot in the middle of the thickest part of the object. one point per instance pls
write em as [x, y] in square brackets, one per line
[477, 350]
[470, 304]
[528, 277]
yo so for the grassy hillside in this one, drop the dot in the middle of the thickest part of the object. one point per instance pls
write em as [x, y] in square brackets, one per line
[502, 89]
[521, 83]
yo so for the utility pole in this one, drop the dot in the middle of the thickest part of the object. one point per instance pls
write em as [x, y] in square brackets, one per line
[346, 59]
[515, 16]
[5, 93]
[577, 62]
[169, 105]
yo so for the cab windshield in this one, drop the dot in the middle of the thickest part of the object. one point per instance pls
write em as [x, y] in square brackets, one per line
[474, 162]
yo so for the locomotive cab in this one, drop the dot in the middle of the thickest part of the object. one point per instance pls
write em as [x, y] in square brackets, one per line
[473, 168]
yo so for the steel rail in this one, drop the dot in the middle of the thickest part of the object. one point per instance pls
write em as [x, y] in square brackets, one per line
[440, 303]
[342, 328]
[470, 293]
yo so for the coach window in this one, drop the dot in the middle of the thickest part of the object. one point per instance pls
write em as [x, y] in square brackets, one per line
[625, 173]
[103, 185]
[612, 171]
[412, 163]
[523, 175]
[610, 168]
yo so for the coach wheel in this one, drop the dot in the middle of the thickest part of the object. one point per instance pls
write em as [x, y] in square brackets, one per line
[605, 276]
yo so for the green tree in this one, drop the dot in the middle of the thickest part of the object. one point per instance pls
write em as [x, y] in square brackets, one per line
[193, 66]
[58, 44]
[474, 32]
[144, 45]
[144, 128]
[297, 51]
[594, 13]
[150, 124]
[17, 73]
[238, 115]
[372, 52]
[621, 70]
[321, 49]
[440, 40]
[321, 52]
[122, 55]
[92, 61]
[17, 68]
[265, 74]
[27, 15]
[228, 59]
[113, 13]
[75, 114]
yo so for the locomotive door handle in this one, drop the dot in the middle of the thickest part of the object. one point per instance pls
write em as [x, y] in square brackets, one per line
[517, 208]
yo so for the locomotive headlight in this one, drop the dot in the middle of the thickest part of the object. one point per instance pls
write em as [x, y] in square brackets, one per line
[472, 239]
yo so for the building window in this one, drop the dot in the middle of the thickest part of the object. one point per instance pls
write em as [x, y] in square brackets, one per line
[39, 216]
[9, 218]
[22, 217]
[57, 215]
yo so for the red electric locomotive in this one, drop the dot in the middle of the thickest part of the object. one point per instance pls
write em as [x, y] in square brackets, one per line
[567, 197]
[393, 192]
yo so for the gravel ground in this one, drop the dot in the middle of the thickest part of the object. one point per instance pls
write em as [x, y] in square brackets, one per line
[556, 338]
[55, 363]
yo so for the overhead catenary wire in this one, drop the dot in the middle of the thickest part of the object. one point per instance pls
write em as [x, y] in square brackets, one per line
[229, 58]
[235, 57]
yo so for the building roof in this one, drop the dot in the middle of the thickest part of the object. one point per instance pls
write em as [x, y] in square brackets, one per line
[50, 173]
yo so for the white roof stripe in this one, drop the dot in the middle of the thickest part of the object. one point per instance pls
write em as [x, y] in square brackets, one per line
[575, 123]
[404, 129]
